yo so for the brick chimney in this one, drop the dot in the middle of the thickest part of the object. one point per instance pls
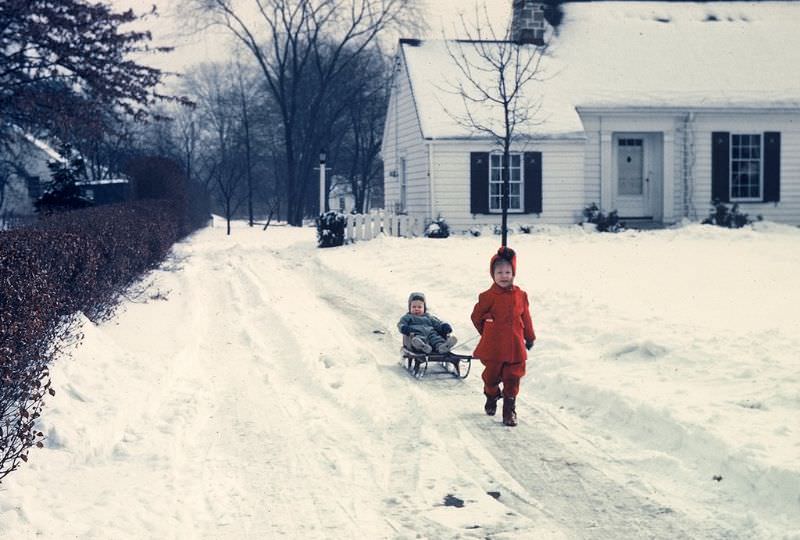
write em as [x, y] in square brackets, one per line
[527, 22]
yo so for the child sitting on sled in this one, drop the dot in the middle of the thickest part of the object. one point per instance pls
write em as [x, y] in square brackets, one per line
[427, 332]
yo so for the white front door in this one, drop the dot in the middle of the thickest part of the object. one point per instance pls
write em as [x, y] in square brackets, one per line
[632, 189]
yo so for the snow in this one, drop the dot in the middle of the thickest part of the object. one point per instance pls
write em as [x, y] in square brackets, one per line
[435, 77]
[634, 54]
[252, 388]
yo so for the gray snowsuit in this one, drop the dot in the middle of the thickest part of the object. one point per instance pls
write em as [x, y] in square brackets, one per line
[425, 326]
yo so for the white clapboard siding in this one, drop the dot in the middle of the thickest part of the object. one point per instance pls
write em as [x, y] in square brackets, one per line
[690, 156]
[402, 139]
[788, 124]
[601, 128]
[562, 182]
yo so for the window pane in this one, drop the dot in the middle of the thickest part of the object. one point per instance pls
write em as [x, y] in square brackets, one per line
[745, 166]
[496, 180]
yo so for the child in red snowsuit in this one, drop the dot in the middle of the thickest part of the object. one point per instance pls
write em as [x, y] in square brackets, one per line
[502, 318]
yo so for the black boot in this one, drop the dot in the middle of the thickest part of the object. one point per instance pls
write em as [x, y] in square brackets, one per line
[491, 404]
[509, 411]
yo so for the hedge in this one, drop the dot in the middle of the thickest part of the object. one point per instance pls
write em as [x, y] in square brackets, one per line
[67, 263]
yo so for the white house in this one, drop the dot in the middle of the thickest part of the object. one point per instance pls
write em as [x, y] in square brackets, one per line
[23, 173]
[651, 109]
[340, 196]
[25, 176]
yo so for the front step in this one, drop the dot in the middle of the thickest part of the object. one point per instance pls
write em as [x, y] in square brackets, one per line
[642, 224]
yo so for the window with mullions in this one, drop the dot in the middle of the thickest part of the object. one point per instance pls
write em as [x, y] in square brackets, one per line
[746, 166]
[515, 197]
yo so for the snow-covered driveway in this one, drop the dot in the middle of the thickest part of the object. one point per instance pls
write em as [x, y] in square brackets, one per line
[254, 390]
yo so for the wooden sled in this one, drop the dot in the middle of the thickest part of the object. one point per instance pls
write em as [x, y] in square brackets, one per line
[417, 362]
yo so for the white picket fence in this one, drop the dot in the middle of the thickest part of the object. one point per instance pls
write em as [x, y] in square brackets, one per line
[368, 226]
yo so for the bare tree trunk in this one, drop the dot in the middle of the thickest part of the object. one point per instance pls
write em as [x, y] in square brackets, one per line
[510, 67]
[248, 162]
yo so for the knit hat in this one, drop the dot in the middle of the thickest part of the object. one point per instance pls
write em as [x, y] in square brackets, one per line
[504, 254]
[417, 296]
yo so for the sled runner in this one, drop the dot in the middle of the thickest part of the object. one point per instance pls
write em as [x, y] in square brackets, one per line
[416, 362]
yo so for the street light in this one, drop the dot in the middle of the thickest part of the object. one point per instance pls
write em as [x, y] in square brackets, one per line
[322, 190]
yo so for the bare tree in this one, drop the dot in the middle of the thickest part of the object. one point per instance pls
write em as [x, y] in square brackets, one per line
[495, 72]
[246, 96]
[214, 87]
[303, 48]
[187, 134]
[366, 115]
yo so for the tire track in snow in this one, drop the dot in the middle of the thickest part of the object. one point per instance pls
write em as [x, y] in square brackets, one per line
[534, 466]
[269, 326]
[426, 465]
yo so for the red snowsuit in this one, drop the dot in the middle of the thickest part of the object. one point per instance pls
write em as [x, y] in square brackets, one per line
[502, 318]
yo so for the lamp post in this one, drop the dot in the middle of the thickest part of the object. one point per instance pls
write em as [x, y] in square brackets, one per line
[322, 190]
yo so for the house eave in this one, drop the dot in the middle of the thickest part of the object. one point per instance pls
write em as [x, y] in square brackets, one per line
[572, 136]
[675, 110]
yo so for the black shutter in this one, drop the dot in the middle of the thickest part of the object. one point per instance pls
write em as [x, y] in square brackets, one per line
[720, 165]
[479, 182]
[533, 182]
[772, 166]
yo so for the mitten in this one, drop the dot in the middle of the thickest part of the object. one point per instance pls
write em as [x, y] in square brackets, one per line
[445, 329]
[405, 330]
[529, 344]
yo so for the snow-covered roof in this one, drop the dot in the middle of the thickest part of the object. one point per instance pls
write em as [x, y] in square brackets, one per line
[49, 151]
[103, 182]
[637, 54]
[442, 112]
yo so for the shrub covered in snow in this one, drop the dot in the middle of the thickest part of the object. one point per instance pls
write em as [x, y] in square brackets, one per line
[438, 228]
[330, 229]
[731, 218]
[68, 262]
[603, 223]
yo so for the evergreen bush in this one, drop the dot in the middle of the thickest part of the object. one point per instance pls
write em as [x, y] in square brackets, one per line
[330, 229]
[438, 228]
[731, 218]
[63, 193]
[603, 223]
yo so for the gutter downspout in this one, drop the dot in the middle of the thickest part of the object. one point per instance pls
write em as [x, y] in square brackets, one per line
[432, 184]
[688, 167]
[600, 162]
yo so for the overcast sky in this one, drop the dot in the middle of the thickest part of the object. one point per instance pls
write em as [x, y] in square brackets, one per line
[175, 27]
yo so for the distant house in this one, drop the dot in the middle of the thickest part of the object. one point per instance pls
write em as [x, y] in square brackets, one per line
[25, 176]
[651, 109]
[23, 173]
[340, 196]
[106, 191]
